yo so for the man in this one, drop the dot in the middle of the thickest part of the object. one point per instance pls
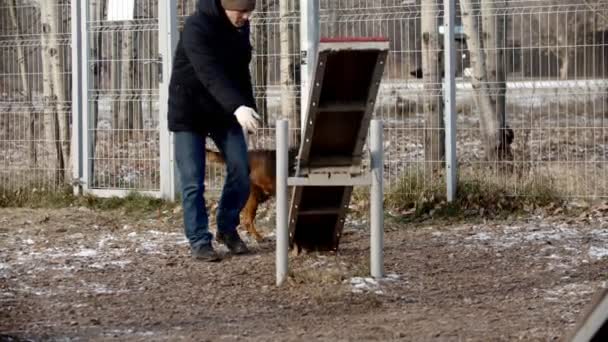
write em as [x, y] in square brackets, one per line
[210, 94]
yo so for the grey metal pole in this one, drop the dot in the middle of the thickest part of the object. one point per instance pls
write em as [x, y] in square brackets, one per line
[77, 94]
[449, 98]
[282, 228]
[85, 76]
[168, 37]
[376, 201]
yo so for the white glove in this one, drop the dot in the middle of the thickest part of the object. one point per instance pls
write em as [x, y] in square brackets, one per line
[248, 119]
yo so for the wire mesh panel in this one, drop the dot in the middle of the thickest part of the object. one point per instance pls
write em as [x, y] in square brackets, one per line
[410, 107]
[536, 75]
[531, 90]
[123, 93]
[35, 69]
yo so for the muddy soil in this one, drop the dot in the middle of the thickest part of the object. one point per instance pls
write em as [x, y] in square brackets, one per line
[81, 275]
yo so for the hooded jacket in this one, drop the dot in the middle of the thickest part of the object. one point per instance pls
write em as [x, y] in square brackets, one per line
[210, 77]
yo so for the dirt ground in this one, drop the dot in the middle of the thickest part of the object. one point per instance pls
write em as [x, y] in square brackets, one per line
[77, 274]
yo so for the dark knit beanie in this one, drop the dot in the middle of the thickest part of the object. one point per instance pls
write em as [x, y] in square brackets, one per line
[239, 5]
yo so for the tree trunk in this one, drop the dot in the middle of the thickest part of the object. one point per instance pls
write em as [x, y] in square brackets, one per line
[288, 105]
[59, 84]
[489, 124]
[137, 73]
[260, 62]
[494, 33]
[296, 77]
[99, 13]
[126, 80]
[333, 26]
[115, 75]
[564, 69]
[434, 134]
[26, 91]
[55, 162]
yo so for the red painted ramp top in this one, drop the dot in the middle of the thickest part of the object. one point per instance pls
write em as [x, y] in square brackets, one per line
[353, 39]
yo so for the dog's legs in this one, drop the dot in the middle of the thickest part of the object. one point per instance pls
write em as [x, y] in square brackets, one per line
[249, 213]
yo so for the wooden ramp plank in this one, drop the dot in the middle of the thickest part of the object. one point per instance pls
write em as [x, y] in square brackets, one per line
[346, 81]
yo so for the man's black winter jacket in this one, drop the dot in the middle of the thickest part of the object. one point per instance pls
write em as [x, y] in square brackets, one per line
[210, 77]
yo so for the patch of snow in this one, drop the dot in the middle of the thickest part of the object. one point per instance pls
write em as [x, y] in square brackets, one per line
[569, 290]
[102, 265]
[6, 294]
[3, 270]
[552, 234]
[598, 253]
[126, 332]
[481, 237]
[87, 253]
[155, 232]
[600, 234]
[100, 289]
[370, 285]
[149, 248]
[102, 242]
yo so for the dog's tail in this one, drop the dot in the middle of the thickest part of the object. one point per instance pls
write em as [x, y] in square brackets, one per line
[214, 157]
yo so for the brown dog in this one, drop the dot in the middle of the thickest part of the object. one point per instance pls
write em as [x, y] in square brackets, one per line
[262, 164]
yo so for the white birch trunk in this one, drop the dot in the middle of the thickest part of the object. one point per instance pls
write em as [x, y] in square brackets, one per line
[26, 91]
[288, 104]
[55, 161]
[434, 134]
[260, 61]
[494, 33]
[488, 124]
[126, 78]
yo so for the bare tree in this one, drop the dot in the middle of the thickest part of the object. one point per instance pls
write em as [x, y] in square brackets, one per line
[99, 12]
[333, 24]
[287, 74]
[115, 72]
[492, 127]
[26, 91]
[260, 61]
[50, 54]
[566, 32]
[126, 78]
[434, 134]
[494, 35]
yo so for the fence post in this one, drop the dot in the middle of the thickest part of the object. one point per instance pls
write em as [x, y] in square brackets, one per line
[309, 41]
[449, 98]
[77, 99]
[377, 200]
[282, 224]
[86, 69]
[167, 35]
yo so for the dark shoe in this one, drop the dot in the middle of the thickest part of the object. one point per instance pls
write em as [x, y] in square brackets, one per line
[233, 242]
[205, 253]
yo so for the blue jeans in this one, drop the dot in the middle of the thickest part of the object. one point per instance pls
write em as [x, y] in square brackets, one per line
[190, 158]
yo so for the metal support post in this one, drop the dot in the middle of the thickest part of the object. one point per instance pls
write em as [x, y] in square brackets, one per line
[168, 36]
[282, 226]
[449, 98]
[77, 98]
[376, 200]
